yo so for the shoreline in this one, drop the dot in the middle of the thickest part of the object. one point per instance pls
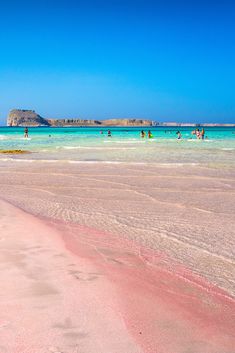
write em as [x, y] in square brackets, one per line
[53, 301]
[152, 304]
[176, 210]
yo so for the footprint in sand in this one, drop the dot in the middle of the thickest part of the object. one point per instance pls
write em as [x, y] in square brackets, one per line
[55, 350]
[6, 324]
[66, 325]
[83, 276]
[3, 349]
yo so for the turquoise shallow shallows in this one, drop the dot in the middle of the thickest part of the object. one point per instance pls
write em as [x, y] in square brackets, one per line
[92, 144]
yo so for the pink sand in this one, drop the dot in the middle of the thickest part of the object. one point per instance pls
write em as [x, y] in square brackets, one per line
[64, 292]
[52, 301]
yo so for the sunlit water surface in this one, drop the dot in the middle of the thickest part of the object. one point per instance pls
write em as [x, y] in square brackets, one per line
[88, 144]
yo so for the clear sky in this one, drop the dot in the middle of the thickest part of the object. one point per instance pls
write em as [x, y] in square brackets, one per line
[163, 60]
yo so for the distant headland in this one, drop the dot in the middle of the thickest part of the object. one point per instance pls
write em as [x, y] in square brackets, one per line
[18, 117]
[24, 117]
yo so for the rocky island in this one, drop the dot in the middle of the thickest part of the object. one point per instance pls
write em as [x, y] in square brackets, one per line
[19, 117]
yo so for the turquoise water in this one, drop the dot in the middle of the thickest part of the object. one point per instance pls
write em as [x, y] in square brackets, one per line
[87, 144]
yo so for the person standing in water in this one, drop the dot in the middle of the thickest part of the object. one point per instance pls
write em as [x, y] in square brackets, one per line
[150, 135]
[109, 133]
[179, 135]
[198, 134]
[142, 134]
[26, 132]
[203, 133]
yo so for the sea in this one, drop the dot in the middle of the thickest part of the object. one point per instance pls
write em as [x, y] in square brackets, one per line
[92, 144]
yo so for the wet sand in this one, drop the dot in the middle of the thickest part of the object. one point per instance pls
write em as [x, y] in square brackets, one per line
[118, 259]
[51, 300]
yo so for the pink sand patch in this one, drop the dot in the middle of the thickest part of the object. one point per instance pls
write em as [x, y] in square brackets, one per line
[72, 289]
[166, 311]
[50, 300]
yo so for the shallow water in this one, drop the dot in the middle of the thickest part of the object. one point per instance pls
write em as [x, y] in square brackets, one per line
[87, 144]
[183, 211]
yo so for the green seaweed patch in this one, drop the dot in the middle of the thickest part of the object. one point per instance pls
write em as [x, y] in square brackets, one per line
[14, 151]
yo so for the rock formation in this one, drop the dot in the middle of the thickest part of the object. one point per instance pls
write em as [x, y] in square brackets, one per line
[126, 122]
[18, 117]
[72, 122]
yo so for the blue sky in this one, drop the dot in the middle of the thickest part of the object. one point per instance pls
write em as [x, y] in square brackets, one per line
[167, 61]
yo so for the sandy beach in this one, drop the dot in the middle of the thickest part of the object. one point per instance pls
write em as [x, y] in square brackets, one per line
[117, 176]
[116, 258]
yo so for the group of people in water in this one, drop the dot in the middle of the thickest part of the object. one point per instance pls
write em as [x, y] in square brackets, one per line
[199, 134]
[143, 134]
[109, 134]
